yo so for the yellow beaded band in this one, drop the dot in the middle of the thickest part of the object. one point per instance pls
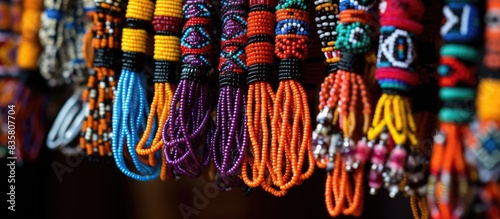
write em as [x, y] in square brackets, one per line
[167, 48]
[488, 104]
[134, 40]
[169, 9]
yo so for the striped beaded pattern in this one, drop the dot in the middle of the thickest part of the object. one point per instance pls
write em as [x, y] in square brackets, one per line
[187, 127]
[96, 130]
[131, 97]
[231, 135]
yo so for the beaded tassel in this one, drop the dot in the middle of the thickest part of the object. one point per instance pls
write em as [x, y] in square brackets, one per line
[393, 122]
[187, 128]
[448, 184]
[259, 108]
[290, 122]
[167, 24]
[344, 54]
[131, 105]
[482, 142]
[230, 139]
[96, 130]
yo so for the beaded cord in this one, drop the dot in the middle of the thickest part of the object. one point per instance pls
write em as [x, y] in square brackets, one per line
[448, 184]
[187, 131]
[482, 142]
[290, 121]
[131, 106]
[69, 121]
[96, 130]
[393, 125]
[230, 138]
[8, 38]
[338, 111]
[52, 36]
[167, 23]
[260, 95]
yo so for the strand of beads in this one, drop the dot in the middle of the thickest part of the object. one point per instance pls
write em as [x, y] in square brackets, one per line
[290, 122]
[131, 98]
[448, 178]
[337, 118]
[52, 40]
[96, 130]
[187, 128]
[260, 60]
[8, 38]
[167, 23]
[230, 139]
[393, 122]
[73, 68]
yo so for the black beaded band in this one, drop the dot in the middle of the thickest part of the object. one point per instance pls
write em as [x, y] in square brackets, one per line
[331, 68]
[259, 72]
[102, 57]
[232, 79]
[192, 73]
[165, 72]
[351, 62]
[261, 7]
[133, 23]
[133, 61]
[290, 69]
[260, 38]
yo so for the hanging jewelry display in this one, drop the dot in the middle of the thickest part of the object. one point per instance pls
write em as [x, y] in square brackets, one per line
[131, 106]
[344, 54]
[52, 38]
[67, 125]
[259, 108]
[186, 133]
[230, 138]
[482, 142]
[167, 23]
[448, 184]
[393, 125]
[96, 130]
[290, 121]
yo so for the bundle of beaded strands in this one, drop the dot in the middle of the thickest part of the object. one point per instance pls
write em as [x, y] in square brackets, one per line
[482, 141]
[96, 130]
[187, 128]
[393, 122]
[448, 184]
[230, 138]
[167, 22]
[290, 121]
[260, 60]
[67, 125]
[131, 106]
[338, 105]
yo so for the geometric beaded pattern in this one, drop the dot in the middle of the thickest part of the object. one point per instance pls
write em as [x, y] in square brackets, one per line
[462, 22]
[326, 22]
[234, 37]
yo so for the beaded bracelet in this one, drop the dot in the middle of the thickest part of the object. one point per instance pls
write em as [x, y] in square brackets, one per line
[393, 121]
[259, 108]
[482, 142]
[96, 130]
[186, 133]
[167, 23]
[230, 138]
[448, 178]
[131, 98]
[292, 36]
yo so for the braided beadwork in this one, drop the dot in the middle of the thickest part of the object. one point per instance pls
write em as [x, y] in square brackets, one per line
[188, 125]
[448, 176]
[260, 60]
[230, 138]
[101, 85]
[167, 23]
[393, 119]
[131, 98]
[292, 36]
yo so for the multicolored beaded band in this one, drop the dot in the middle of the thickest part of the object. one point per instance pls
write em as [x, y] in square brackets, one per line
[230, 138]
[186, 133]
[96, 130]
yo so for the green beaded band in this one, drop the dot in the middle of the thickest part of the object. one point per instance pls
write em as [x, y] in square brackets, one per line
[297, 4]
[455, 93]
[344, 39]
[455, 115]
[460, 51]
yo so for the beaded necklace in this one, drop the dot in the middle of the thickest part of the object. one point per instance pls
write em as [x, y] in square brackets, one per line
[167, 22]
[393, 122]
[448, 183]
[290, 121]
[338, 104]
[260, 60]
[230, 139]
[483, 141]
[96, 129]
[187, 128]
[131, 105]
